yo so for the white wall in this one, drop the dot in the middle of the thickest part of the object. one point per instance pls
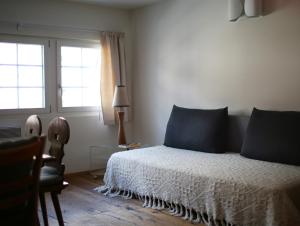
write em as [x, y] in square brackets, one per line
[86, 128]
[187, 53]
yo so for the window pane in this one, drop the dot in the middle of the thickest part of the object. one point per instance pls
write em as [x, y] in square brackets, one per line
[30, 76]
[31, 98]
[71, 97]
[8, 76]
[91, 77]
[22, 83]
[71, 77]
[91, 97]
[90, 57]
[8, 53]
[11, 98]
[30, 54]
[80, 76]
[70, 56]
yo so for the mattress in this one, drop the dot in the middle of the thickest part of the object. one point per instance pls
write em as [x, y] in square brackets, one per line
[215, 189]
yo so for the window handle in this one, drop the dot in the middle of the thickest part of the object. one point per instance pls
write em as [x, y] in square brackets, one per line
[59, 90]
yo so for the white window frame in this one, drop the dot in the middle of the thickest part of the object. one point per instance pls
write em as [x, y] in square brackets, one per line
[72, 43]
[31, 40]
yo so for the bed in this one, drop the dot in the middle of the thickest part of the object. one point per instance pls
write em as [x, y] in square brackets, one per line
[219, 179]
[215, 189]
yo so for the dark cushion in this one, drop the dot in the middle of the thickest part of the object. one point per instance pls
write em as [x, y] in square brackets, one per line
[50, 176]
[273, 136]
[197, 129]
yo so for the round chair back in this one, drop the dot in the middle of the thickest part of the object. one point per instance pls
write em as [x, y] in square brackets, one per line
[33, 126]
[58, 136]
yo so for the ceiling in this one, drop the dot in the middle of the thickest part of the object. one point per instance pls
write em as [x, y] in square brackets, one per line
[125, 4]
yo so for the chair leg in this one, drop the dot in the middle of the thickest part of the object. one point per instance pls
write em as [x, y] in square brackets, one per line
[44, 208]
[38, 221]
[57, 208]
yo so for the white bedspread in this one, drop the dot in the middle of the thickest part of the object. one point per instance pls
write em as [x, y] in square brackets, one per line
[224, 189]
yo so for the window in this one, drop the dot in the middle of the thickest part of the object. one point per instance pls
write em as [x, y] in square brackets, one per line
[26, 64]
[79, 75]
[22, 74]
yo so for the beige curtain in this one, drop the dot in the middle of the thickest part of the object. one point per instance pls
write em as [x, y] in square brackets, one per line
[113, 71]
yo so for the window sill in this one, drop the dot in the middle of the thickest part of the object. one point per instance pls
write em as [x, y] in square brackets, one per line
[25, 111]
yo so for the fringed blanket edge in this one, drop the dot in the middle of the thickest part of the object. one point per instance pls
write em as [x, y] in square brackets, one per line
[175, 209]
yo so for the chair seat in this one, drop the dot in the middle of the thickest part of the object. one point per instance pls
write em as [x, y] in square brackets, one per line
[50, 176]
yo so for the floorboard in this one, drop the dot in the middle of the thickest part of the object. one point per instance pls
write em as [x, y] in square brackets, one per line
[82, 206]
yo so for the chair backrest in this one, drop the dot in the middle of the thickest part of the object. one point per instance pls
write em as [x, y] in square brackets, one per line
[33, 126]
[58, 136]
[20, 164]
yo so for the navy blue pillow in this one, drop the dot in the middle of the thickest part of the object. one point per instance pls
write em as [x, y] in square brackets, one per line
[197, 129]
[273, 136]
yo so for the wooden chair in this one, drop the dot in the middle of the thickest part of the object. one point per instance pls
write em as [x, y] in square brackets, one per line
[20, 164]
[52, 174]
[33, 126]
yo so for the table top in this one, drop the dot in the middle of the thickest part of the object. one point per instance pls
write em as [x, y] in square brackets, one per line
[130, 146]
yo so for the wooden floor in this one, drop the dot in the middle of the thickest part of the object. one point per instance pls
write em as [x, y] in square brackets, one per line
[82, 206]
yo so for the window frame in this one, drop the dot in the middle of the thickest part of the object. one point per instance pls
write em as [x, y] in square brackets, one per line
[72, 43]
[19, 39]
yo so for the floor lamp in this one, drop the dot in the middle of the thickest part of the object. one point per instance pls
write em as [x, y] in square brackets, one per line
[120, 101]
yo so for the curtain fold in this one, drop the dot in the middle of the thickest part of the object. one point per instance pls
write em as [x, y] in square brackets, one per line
[113, 72]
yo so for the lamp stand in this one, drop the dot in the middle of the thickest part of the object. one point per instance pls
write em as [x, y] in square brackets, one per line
[121, 133]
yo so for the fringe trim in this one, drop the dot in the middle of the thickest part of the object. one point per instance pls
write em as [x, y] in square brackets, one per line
[173, 208]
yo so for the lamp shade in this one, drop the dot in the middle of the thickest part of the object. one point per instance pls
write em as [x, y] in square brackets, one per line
[120, 97]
